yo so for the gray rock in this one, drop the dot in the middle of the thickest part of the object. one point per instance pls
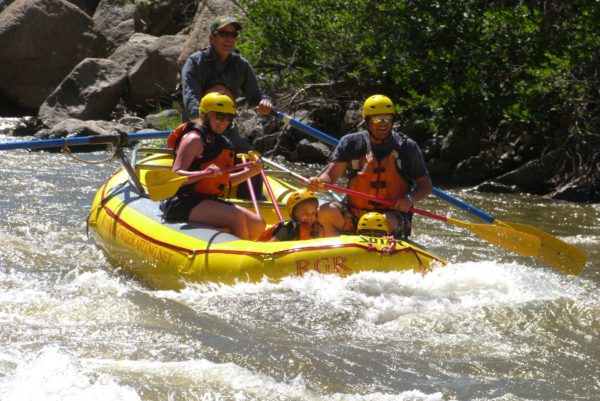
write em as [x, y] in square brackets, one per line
[90, 92]
[114, 18]
[74, 128]
[154, 77]
[163, 119]
[131, 52]
[41, 43]
[312, 152]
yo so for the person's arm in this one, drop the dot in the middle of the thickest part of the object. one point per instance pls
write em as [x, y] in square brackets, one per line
[254, 95]
[191, 145]
[191, 87]
[241, 176]
[423, 188]
[334, 170]
[416, 167]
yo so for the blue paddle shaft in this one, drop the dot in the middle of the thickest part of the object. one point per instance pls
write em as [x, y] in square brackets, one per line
[463, 205]
[82, 140]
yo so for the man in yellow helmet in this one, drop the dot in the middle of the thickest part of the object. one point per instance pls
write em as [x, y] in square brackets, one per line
[379, 162]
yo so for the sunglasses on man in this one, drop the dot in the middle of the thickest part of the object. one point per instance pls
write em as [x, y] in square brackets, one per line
[227, 34]
[386, 118]
[224, 116]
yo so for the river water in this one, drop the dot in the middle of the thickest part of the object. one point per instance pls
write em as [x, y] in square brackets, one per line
[490, 325]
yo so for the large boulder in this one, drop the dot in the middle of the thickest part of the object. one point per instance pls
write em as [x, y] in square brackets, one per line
[42, 40]
[535, 175]
[158, 17]
[90, 92]
[153, 78]
[581, 189]
[114, 18]
[131, 52]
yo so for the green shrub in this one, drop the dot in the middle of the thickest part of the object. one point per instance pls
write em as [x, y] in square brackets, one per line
[464, 65]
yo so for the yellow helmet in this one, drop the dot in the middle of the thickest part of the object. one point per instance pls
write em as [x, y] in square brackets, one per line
[298, 197]
[372, 221]
[378, 104]
[217, 101]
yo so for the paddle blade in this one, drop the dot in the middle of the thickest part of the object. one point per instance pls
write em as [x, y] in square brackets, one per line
[504, 237]
[562, 256]
[163, 184]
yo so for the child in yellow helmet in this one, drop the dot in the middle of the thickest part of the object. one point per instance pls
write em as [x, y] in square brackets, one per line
[302, 207]
[372, 224]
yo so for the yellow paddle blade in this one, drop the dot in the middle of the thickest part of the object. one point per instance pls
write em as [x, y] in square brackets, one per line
[562, 256]
[163, 184]
[504, 237]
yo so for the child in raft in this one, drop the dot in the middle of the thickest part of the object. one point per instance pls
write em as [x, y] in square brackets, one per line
[302, 207]
[372, 224]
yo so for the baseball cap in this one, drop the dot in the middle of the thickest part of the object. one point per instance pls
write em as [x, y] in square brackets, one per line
[220, 22]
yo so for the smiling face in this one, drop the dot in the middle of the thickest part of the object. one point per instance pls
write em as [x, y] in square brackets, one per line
[380, 126]
[219, 121]
[223, 41]
[306, 211]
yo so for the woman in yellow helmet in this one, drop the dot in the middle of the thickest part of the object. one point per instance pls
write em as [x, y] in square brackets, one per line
[379, 162]
[302, 207]
[202, 147]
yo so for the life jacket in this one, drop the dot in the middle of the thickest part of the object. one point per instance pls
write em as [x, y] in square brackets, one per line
[218, 150]
[294, 230]
[381, 178]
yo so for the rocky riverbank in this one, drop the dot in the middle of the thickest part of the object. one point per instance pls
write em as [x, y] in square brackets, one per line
[91, 67]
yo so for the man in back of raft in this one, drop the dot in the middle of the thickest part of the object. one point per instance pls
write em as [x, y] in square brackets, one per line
[219, 68]
[379, 162]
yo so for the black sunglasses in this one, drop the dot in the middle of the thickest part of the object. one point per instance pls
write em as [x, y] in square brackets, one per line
[224, 116]
[227, 34]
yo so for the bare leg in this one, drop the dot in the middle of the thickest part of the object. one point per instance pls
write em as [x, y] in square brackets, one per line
[392, 221]
[256, 225]
[220, 214]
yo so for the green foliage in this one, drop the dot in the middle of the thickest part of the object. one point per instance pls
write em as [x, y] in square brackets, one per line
[465, 65]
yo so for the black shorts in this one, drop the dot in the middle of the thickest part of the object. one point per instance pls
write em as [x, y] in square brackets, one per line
[178, 208]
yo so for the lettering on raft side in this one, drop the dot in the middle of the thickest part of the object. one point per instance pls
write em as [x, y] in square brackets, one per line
[108, 224]
[334, 264]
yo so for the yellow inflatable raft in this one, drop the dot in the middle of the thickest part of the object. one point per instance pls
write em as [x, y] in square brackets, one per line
[128, 227]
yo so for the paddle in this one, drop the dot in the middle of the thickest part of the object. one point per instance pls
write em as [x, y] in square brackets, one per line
[244, 157]
[83, 140]
[293, 174]
[504, 237]
[558, 254]
[255, 156]
[162, 184]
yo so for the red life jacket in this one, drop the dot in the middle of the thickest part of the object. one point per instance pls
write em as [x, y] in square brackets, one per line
[217, 150]
[295, 231]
